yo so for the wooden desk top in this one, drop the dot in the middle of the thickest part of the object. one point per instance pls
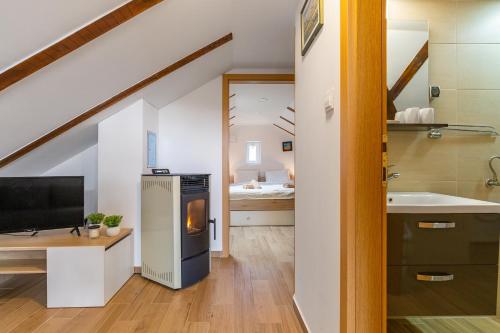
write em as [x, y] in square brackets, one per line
[58, 238]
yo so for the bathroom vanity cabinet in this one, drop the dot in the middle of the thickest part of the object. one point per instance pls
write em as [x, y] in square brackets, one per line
[442, 264]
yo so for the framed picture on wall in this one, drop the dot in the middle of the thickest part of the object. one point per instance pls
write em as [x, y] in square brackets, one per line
[151, 149]
[311, 22]
[287, 146]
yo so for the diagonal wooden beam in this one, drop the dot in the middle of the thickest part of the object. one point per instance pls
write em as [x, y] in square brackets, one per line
[290, 109]
[410, 71]
[391, 107]
[115, 99]
[281, 128]
[74, 41]
[288, 121]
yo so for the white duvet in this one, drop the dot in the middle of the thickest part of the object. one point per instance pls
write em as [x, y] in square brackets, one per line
[268, 191]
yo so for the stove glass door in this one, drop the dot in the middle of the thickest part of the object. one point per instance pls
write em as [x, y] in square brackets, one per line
[196, 221]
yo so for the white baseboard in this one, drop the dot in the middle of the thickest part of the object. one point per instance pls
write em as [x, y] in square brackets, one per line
[303, 323]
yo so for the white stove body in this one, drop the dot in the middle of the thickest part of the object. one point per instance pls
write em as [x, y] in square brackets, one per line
[161, 230]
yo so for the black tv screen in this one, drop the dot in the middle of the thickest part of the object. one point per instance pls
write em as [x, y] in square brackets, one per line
[40, 203]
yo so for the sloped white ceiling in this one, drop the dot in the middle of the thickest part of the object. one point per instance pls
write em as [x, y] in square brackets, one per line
[27, 26]
[264, 33]
[53, 153]
[262, 104]
[106, 66]
[159, 94]
[263, 37]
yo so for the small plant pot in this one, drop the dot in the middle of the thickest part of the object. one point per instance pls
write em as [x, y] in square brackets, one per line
[113, 231]
[94, 231]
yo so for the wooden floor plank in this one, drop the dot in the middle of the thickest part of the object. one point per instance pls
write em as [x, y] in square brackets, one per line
[34, 321]
[53, 325]
[14, 319]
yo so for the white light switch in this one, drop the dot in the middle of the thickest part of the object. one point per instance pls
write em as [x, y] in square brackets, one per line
[330, 100]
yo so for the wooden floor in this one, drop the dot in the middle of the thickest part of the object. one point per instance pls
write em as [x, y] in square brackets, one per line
[249, 292]
[444, 325]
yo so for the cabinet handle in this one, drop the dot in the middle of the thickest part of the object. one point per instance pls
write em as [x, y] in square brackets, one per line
[436, 225]
[435, 277]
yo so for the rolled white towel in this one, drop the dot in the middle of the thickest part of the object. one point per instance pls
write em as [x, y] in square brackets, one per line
[412, 115]
[426, 115]
[400, 116]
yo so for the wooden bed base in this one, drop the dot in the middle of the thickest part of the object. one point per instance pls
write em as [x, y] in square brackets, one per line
[262, 204]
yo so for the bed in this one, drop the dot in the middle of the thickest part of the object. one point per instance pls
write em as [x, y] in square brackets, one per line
[262, 203]
[267, 197]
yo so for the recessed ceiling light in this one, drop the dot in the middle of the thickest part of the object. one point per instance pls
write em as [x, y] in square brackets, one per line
[263, 99]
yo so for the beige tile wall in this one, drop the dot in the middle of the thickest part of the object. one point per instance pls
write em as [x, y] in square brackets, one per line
[464, 60]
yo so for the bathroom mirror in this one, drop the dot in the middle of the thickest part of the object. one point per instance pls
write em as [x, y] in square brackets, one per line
[407, 65]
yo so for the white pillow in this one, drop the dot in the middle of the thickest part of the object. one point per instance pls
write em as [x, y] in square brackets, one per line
[243, 176]
[277, 176]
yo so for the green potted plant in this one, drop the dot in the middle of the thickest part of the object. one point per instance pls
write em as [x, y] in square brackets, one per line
[112, 223]
[94, 221]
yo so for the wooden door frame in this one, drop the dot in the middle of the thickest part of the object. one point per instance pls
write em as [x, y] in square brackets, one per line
[363, 161]
[227, 80]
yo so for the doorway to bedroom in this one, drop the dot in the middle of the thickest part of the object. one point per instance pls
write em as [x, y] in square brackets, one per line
[261, 156]
[259, 190]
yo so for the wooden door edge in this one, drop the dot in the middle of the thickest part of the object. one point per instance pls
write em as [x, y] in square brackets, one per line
[363, 221]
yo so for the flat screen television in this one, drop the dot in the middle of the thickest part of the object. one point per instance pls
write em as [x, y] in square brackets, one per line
[40, 203]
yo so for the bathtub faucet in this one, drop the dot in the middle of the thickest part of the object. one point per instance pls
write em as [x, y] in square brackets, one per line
[494, 180]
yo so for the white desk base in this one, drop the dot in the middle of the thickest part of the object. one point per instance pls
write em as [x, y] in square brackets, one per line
[87, 276]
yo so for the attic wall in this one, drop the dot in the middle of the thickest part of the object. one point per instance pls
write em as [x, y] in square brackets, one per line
[82, 164]
[273, 156]
[191, 142]
[121, 162]
[317, 168]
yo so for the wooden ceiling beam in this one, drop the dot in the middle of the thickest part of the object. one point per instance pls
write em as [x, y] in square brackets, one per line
[115, 99]
[408, 74]
[73, 41]
[410, 71]
[391, 107]
[288, 121]
[281, 128]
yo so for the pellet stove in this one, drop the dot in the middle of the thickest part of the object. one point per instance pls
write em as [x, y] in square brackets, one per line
[175, 231]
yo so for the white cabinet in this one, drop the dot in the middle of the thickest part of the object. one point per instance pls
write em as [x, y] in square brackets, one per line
[87, 276]
[118, 266]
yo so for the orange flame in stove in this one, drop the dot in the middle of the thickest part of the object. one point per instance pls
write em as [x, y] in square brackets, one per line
[189, 223]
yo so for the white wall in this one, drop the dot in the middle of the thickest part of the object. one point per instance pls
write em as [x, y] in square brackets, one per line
[82, 164]
[121, 161]
[271, 138]
[317, 154]
[191, 141]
